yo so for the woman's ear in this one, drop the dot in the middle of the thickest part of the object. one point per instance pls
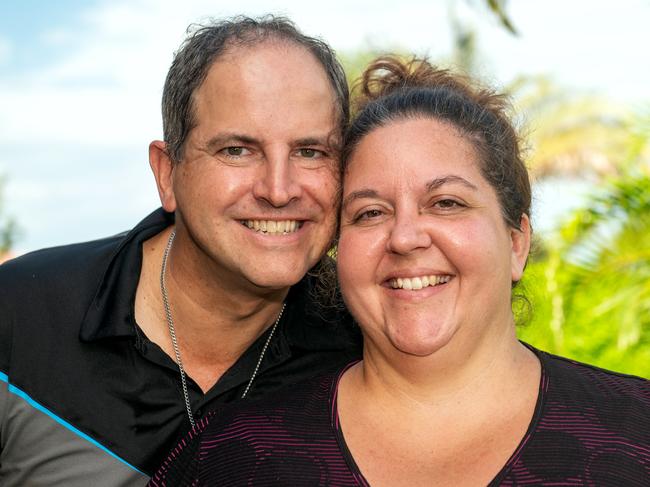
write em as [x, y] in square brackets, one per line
[163, 170]
[520, 239]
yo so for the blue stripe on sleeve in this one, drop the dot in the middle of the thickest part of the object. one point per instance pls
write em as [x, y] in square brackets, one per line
[23, 395]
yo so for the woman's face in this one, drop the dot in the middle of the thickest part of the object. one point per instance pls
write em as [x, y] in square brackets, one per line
[424, 253]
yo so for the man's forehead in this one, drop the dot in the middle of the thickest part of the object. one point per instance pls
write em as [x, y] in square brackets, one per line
[253, 73]
[267, 92]
[237, 50]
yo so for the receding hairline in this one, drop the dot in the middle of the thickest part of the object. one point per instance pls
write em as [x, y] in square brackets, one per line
[234, 45]
[207, 44]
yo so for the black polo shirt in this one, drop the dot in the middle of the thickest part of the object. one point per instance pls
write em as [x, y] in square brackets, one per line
[85, 396]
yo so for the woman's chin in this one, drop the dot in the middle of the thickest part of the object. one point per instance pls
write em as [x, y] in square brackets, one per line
[420, 343]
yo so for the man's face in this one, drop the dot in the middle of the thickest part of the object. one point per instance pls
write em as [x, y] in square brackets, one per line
[255, 192]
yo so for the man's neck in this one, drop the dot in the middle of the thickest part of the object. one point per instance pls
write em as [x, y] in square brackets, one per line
[214, 323]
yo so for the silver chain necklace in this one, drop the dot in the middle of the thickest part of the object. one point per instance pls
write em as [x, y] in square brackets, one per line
[172, 334]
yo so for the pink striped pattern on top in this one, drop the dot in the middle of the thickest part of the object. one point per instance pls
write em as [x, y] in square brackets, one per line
[590, 427]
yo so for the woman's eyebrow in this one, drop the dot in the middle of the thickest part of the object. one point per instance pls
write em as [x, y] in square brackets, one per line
[451, 179]
[362, 193]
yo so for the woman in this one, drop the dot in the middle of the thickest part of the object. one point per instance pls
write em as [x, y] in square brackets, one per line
[435, 232]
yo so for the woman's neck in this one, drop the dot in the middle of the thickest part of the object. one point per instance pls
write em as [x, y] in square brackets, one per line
[468, 365]
[451, 419]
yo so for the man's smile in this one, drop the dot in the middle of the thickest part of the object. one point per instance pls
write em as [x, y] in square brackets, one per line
[274, 227]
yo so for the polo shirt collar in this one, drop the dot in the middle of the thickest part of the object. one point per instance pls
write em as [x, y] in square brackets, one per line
[111, 314]
[112, 310]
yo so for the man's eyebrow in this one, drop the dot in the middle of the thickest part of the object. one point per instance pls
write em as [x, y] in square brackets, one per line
[322, 141]
[233, 138]
[451, 179]
[362, 193]
[229, 138]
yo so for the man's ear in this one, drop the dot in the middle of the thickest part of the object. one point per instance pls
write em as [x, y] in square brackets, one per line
[163, 171]
[520, 247]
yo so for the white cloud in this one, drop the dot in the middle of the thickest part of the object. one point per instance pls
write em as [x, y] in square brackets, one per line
[77, 128]
[106, 87]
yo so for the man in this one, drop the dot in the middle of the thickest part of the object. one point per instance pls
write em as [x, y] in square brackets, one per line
[109, 350]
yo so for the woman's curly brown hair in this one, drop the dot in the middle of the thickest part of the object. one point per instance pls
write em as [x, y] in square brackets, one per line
[393, 89]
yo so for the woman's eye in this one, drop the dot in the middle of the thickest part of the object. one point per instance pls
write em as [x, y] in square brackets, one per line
[447, 204]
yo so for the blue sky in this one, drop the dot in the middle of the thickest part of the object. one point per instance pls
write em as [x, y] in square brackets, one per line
[80, 84]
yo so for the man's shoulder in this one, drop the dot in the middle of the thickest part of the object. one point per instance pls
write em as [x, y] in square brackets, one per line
[52, 283]
[60, 268]
[56, 267]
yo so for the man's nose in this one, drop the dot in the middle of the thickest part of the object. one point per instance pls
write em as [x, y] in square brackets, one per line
[278, 183]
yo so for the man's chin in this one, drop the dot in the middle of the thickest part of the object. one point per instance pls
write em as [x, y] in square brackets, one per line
[275, 282]
[277, 275]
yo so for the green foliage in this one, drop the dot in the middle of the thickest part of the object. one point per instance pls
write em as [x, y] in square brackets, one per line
[498, 8]
[569, 134]
[590, 284]
[355, 62]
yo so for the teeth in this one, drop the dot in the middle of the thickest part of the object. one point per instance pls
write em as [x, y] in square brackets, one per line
[275, 227]
[415, 283]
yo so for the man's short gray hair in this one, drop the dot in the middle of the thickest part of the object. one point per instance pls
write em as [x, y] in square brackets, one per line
[203, 47]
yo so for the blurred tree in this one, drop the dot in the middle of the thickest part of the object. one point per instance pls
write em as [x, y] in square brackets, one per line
[498, 7]
[465, 53]
[589, 281]
[7, 227]
[355, 62]
[569, 134]
[590, 286]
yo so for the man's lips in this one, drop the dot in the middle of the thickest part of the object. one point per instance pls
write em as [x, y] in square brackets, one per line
[273, 227]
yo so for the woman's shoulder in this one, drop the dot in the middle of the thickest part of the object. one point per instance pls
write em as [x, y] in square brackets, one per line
[591, 426]
[595, 406]
[579, 382]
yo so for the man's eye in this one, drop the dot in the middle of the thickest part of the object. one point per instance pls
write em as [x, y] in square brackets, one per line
[234, 151]
[309, 153]
[368, 215]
